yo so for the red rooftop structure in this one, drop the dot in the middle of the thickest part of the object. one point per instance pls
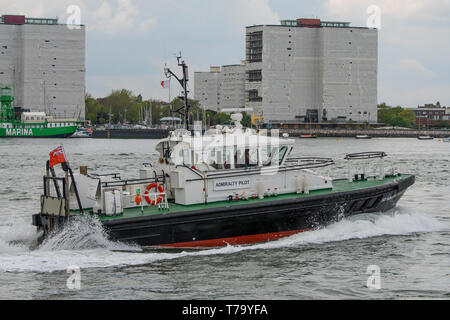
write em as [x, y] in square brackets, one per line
[309, 23]
[13, 19]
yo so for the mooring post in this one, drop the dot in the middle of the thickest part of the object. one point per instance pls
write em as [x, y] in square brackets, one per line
[349, 171]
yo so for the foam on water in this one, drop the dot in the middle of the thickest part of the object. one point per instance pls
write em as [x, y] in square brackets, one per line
[16, 234]
[82, 234]
[84, 244]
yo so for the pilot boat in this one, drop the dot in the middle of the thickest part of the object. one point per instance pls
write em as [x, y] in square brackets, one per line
[227, 186]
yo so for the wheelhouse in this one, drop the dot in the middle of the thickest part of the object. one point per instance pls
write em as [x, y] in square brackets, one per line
[217, 151]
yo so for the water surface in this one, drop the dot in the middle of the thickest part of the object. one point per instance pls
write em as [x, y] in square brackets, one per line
[410, 244]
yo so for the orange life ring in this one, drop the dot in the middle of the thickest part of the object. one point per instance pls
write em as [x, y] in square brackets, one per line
[160, 198]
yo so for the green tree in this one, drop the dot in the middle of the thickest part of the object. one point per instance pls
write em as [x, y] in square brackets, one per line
[396, 116]
[222, 118]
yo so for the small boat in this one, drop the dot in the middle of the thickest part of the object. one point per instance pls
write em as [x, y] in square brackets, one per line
[308, 136]
[446, 139]
[228, 186]
[363, 137]
[82, 133]
[425, 138]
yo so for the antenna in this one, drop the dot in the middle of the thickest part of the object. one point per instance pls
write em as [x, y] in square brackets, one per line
[183, 82]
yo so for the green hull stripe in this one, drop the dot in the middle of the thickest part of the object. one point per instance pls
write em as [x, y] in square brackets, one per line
[37, 132]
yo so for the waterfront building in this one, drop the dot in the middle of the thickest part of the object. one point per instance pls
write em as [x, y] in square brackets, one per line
[232, 86]
[44, 63]
[221, 87]
[432, 115]
[207, 88]
[312, 71]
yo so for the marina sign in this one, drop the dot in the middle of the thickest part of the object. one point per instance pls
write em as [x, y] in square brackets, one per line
[19, 132]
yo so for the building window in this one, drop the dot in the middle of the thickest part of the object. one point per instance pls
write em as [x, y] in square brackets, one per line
[254, 75]
[254, 46]
[253, 96]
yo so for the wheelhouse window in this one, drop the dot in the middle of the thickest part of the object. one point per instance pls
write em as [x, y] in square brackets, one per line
[246, 158]
[282, 155]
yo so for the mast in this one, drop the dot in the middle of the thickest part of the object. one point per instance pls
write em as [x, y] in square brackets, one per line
[184, 111]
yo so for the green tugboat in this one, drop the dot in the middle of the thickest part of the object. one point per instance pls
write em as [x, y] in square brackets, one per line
[16, 123]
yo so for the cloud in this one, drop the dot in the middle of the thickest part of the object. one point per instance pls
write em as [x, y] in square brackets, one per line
[413, 49]
[412, 66]
[108, 17]
[124, 17]
[419, 96]
[397, 11]
[207, 32]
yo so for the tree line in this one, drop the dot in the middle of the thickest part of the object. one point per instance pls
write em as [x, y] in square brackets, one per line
[396, 116]
[123, 107]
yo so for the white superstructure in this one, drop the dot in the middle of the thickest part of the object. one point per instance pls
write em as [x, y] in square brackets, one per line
[225, 164]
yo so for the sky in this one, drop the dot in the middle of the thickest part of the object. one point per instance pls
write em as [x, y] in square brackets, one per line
[128, 42]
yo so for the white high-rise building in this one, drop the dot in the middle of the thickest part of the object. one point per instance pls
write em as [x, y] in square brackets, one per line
[308, 70]
[207, 88]
[221, 88]
[44, 63]
[232, 86]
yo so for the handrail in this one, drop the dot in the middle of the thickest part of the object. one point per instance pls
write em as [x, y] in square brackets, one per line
[114, 175]
[312, 160]
[366, 155]
[121, 183]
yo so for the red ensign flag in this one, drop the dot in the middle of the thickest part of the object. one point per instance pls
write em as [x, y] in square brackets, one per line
[165, 84]
[57, 156]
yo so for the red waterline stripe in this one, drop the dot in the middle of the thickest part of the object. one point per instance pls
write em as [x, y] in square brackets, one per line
[235, 240]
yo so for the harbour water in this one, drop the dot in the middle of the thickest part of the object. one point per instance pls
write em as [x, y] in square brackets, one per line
[410, 245]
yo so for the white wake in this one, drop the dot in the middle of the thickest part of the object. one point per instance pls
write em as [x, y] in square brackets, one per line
[84, 244]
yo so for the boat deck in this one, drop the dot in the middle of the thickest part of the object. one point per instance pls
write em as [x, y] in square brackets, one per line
[338, 186]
